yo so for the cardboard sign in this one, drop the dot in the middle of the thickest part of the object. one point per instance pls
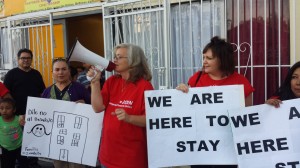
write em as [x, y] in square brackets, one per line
[265, 136]
[191, 128]
[62, 130]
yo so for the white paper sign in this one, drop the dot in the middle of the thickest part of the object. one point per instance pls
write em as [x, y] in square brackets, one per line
[62, 130]
[191, 128]
[266, 136]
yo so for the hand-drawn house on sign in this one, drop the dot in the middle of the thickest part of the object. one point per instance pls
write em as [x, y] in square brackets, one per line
[68, 138]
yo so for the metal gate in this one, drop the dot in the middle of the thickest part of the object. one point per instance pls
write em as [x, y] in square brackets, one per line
[4, 56]
[33, 31]
[142, 23]
[173, 34]
[169, 32]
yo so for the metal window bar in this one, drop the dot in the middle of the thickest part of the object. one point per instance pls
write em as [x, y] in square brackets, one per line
[158, 16]
[238, 35]
[251, 44]
[37, 47]
[265, 43]
[213, 17]
[47, 62]
[134, 27]
[180, 69]
[180, 41]
[294, 37]
[9, 42]
[201, 32]
[279, 40]
[42, 49]
[3, 43]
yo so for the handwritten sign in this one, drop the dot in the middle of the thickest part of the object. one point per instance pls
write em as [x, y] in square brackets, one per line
[191, 128]
[265, 136]
[62, 130]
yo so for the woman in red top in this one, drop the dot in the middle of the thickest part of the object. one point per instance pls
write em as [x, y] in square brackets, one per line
[218, 70]
[123, 142]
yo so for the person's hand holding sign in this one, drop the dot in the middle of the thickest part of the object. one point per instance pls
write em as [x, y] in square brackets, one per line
[274, 102]
[183, 87]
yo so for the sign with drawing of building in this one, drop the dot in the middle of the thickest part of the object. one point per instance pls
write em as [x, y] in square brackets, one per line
[69, 133]
[62, 130]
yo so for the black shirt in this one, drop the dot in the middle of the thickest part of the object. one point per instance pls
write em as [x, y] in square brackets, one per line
[22, 84]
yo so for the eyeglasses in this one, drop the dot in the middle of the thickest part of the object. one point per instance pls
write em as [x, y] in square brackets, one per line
[25, 58]
[118, 57]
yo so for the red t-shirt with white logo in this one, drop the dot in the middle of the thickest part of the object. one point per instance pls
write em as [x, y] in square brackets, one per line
[123, 144]
[233, 79]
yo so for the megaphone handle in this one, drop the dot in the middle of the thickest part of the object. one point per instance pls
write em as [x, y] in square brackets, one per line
[95, 72]
[90, 78]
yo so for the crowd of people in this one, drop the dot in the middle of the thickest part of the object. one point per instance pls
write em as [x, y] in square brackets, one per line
[124, 127]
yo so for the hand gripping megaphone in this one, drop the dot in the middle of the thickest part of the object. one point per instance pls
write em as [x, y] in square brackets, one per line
[81, 54]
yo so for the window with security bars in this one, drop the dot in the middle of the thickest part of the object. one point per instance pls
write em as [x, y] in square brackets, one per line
[139, 23]
[4, 56]
[261, 31]
[258, 30]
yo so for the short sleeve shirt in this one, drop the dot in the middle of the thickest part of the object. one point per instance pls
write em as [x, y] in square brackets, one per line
[118, 137]
[233, 79]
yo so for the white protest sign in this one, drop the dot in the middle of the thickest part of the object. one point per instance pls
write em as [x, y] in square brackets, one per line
[62, 130]
[191, 128]
[266, 136]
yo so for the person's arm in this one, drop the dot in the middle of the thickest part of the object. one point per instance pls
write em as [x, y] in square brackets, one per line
[248, 100]
[96, 97]
[8, 95]
[192, 82]
[22, 120]
[85, 94]
[138, 120]
[8, 81]
[80, 101]
[4, 92]
[42, 86]
[273, 101]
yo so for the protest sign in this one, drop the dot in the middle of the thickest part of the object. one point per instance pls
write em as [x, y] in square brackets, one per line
[62, 130]
[265, 136]
[191, 128]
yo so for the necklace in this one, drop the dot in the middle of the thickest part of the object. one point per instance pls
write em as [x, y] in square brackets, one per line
[61, 93]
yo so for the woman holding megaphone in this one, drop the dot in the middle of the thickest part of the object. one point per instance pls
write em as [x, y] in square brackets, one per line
[123, 142]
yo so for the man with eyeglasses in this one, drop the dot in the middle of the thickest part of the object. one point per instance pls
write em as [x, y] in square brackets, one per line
[24, 81]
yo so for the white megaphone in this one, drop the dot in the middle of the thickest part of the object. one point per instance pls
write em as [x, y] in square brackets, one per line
[81, 54]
